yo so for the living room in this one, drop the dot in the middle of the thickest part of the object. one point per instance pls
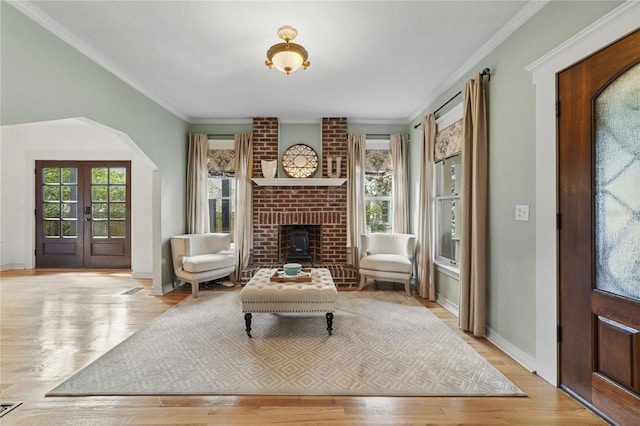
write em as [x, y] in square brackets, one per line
[46, 114]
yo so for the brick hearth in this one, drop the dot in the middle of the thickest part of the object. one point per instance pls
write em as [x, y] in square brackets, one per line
[288, 205]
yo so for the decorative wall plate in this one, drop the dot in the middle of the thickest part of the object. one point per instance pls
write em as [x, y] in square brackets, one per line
[300, 161]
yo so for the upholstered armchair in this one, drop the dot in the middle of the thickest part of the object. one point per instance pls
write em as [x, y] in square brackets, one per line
[199, 258]
[387, 257]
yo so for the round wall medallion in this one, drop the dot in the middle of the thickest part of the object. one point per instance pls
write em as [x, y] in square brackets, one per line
[300, 161]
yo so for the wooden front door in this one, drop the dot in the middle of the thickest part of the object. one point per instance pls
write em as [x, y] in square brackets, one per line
[83, 214]
[599, 230]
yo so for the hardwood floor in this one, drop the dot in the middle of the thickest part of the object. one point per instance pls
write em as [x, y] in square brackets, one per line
[55, 322]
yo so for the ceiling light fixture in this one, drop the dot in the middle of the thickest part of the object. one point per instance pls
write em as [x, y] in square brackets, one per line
[287, 57]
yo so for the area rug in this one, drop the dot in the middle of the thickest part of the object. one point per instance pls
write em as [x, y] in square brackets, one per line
[383, 343]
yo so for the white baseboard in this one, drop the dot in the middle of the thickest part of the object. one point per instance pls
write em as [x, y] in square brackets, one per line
[447, 304]
[12, 266]
[148, 275]
[520, 356]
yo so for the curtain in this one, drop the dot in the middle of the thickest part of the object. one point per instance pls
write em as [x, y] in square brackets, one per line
[473, 210]
[197, 174]
[400, 185]
[355, 193]
[243, 225]
[424, 255]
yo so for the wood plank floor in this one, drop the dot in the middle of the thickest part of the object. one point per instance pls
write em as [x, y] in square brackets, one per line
[55, 322]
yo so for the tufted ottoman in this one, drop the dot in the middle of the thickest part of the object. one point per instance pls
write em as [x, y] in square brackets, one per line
[261, 295]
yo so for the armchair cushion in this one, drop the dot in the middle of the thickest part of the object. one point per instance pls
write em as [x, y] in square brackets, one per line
[207, 262]
[387, 262]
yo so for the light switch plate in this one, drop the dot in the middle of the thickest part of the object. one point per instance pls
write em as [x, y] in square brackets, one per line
[522, 212]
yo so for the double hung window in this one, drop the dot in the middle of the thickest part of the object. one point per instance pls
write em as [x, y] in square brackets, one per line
[221, 186]
[448, 187]
[378, 178]
[448, 174]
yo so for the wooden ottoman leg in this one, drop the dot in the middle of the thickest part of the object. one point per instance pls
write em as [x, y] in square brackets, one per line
[329, 322]
[247, 321]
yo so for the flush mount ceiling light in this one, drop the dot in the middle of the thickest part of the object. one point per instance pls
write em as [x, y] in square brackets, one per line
[287, 57]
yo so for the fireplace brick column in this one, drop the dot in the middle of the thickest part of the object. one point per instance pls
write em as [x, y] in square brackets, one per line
[334, 142]
[265, 142]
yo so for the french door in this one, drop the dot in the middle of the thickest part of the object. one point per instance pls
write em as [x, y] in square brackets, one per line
[599, 230]
[83, 214]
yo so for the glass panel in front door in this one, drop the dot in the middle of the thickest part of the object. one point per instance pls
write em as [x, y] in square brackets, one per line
[617, 184]
[60, 202]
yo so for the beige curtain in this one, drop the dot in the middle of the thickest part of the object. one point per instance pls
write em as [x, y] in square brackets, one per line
[473, 210]
[355, 193]
[243, 225]
[426, 276]
[400, 186]
[197, 197]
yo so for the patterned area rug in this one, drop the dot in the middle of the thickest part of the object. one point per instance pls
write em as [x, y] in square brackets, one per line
[383, 343]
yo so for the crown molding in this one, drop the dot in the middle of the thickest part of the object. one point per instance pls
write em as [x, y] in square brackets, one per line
[626, 15]
[63, 33]
[530, 9]
[220, 120]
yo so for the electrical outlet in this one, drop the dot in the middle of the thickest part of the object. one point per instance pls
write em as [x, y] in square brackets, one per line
[522, 212]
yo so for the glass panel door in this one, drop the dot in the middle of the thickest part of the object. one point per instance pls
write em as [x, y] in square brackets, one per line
[83, 214]
[617, 182]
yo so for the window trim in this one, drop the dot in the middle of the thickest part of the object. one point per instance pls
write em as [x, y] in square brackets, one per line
[443, 264]
[442, 261]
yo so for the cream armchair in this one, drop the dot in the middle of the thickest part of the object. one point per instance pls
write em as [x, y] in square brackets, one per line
[202, 257]
[387, 257]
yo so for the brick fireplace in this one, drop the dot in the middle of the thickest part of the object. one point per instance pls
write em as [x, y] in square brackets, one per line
[274, 206]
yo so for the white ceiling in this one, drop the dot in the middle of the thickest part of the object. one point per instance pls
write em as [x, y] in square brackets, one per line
[371, 61]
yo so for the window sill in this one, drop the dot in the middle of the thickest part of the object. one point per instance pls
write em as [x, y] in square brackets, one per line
[451, 271]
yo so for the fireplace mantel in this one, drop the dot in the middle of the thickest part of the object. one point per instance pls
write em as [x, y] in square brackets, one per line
[299, 181]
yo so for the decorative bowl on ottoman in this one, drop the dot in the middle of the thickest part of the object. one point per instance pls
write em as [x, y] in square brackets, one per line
[292, 269]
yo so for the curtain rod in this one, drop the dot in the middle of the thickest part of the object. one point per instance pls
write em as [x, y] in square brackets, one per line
[485, 72]
[220, 136]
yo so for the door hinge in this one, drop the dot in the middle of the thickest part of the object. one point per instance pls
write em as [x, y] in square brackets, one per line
[559, 334]
[557, 108]
[558, 221]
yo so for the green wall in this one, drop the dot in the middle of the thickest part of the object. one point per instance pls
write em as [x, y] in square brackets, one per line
[43, 78]
[221, 129]
[300, 133]
[510, 95]
[448, 287]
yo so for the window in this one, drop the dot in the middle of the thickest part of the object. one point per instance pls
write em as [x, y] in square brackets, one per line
[221, 186]
[448, 174]
[378, 176]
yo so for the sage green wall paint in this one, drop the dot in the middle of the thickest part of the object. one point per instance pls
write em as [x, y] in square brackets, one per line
[302, 133]
[510, 95]
[43, 78]
[448, 287]
[221, 129]
[377, 129]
